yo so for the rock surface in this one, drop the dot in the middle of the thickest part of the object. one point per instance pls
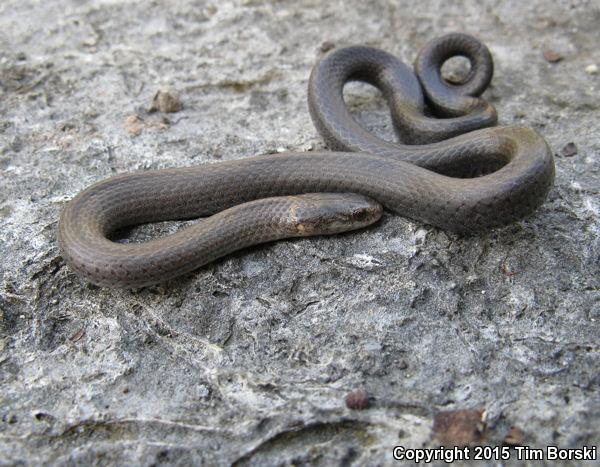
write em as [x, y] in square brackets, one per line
[249, 360]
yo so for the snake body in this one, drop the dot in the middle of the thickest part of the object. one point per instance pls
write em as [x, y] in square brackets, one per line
[264, 198]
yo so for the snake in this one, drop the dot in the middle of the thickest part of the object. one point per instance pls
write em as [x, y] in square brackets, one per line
[450, 167]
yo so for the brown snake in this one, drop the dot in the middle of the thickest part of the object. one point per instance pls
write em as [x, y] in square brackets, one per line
[451, 171]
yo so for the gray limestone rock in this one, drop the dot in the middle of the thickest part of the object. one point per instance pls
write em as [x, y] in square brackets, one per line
[248, 361]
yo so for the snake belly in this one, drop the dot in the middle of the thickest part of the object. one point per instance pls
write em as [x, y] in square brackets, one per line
[455, 171]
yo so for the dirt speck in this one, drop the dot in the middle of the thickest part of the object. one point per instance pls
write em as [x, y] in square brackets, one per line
[460, 427]
[326, 47]
[133, 125]
[591, 69]
[166, 100]
[514, 436]
[357, 399]
[552, 56]
[569, 150]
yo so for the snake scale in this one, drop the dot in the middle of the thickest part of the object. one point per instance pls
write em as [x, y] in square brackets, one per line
[452, 169]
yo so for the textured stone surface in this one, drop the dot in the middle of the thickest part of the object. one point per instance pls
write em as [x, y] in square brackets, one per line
[249, 360]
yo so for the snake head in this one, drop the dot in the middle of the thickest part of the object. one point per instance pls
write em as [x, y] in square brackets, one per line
[331, 213]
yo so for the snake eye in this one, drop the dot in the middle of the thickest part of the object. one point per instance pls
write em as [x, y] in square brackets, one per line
[360, 215]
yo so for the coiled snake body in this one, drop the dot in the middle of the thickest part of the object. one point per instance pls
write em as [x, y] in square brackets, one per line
[264, 198]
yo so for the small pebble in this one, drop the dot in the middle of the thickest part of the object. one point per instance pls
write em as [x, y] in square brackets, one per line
[460, 427]
[569, 150]
[552, 56]
[591, 69]
[514, 436]
[133, 125]
[91, 41]
[357, 400]
[326, 46]
[165, 101]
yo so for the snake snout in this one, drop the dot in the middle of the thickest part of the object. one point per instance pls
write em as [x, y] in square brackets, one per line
[331, 213]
